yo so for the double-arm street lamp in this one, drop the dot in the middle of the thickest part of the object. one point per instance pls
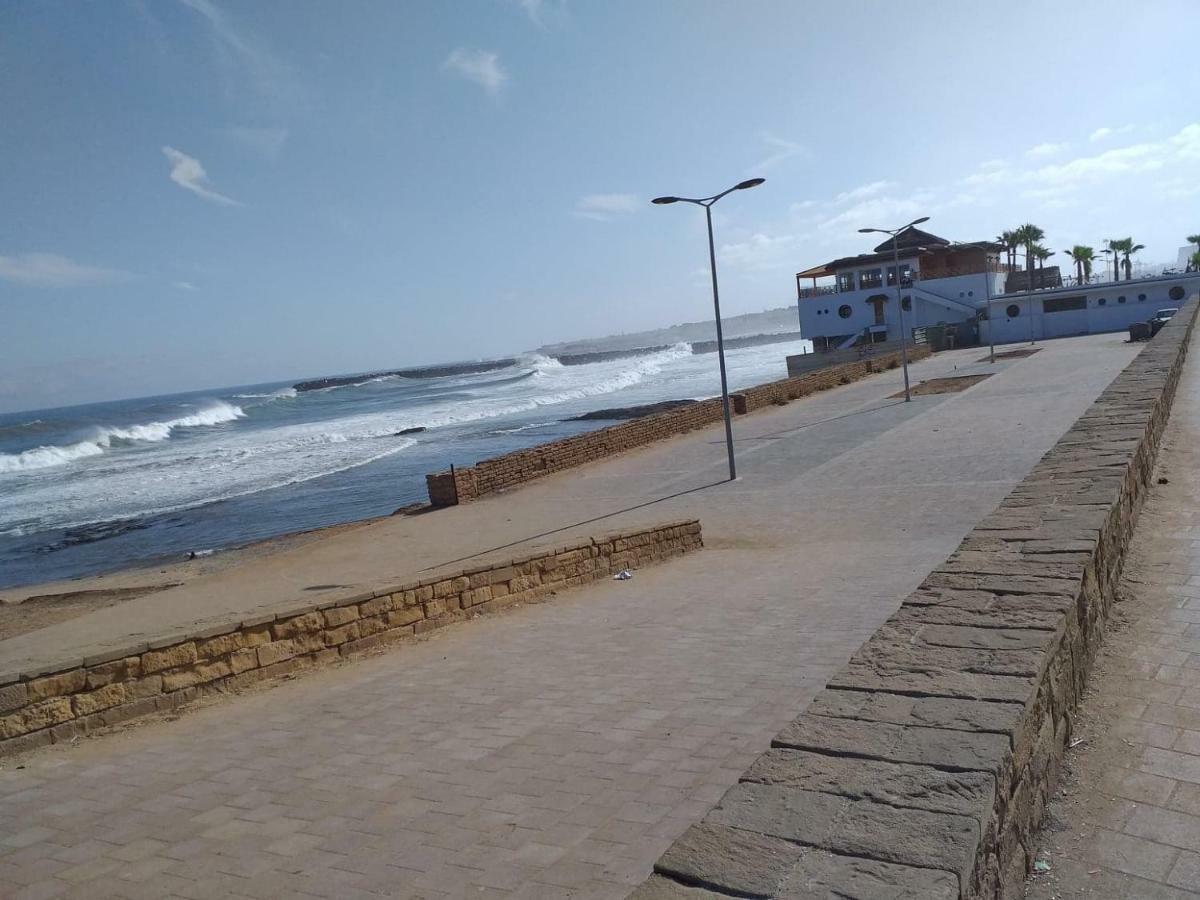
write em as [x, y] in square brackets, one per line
[900, 300]
[707, 203]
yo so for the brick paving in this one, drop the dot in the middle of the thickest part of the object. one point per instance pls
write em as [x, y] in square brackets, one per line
[557, 750]
[1128, 822]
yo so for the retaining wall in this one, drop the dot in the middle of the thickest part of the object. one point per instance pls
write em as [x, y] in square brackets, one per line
[57, 703]
[513, 469]
[923, 768]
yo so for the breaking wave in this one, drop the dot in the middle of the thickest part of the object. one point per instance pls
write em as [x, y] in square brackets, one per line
[53, 455]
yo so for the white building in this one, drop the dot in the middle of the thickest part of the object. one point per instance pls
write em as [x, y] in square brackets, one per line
[944, 282]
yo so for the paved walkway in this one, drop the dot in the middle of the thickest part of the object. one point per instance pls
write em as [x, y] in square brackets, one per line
[557, 750]
[1129, 824]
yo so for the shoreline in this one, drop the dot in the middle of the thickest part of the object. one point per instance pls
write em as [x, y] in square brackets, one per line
[28, 607]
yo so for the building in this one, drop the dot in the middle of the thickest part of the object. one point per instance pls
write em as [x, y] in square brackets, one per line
[944, 282]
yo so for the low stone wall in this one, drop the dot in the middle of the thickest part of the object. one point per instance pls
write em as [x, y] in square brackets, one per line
[513, 469]
[923, 768]
[801, 363]
[57, 703]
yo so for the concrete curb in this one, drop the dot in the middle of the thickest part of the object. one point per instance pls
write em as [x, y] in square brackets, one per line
[58, 702]
[923, 768]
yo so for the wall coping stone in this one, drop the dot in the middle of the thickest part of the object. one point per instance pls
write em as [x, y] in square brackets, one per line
[978, 672]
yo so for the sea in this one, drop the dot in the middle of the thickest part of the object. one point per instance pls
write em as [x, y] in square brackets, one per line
[94, 488]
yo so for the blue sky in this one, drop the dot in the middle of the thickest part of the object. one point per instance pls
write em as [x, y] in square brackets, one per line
[207, 192]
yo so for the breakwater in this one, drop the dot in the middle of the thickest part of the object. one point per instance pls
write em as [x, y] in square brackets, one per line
[450, 369]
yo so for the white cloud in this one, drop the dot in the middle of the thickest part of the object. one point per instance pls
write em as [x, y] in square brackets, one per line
[479, 66]
[862, 191]
[184, 285]
[1101, 134]
[602, 207]
[781, 149]
[187, 172]
[266, 142]
[763, 251]
[993, 164]
[877, 212]
[243, 60]
[49, 270]
[536, 10]
[1047, 149]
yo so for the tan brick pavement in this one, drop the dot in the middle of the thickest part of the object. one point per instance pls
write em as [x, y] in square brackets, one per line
[1128, 825]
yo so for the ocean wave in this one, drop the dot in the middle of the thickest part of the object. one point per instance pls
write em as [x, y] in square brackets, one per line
[24, 529]
[522, 428]
[45, 457]
[286, 393]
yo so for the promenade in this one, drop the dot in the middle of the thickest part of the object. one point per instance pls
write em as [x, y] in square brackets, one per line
[558, 749]
[1127, 823]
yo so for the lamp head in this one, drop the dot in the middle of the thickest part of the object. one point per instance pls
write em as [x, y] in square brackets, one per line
[661, 200]
[871, 231]
[753, 182]
[918, 221]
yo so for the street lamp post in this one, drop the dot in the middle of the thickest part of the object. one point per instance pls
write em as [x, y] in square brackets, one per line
[987, 293]
[899, 299]
[707, 203]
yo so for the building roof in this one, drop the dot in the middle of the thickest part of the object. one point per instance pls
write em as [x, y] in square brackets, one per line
[911, 242]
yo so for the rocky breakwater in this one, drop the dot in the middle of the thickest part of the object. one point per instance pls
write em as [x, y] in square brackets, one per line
[923, 768]
[466, 368]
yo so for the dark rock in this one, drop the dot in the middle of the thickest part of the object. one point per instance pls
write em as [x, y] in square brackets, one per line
[632, 412]
[417, 430]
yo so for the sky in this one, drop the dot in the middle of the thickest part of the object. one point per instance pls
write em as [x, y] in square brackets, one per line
[200, 193]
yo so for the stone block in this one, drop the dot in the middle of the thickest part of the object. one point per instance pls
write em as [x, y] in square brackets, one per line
[100, 699]
[726, 859]
[275, 652]
[951, 750]
[932, 712]
[398, 618]
[56, 685]
[257, 635]
[13, 696]
[169, 657]
[243, 660]
[336, 636]
[297, 625]
[656, 887]
[36, 716]
[339, 615]
[908, 837]
[221, 645]
[149, 686]
[896, 784]
[124, 669]
[861, 676]
[369, 625]
[376, 607]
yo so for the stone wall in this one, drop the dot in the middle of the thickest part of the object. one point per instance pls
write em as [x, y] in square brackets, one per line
[923, 768]
[57, 703]
[513, 469]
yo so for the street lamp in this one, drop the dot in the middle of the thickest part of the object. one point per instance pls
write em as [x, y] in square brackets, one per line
[899, 300]
[707, 203]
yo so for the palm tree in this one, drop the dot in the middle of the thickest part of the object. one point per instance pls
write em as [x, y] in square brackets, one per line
[1196, 261]
[1082, 256]
[1194, 239]
[1009, 240]
[1127, 248]
[1027, 236]
[1111, 245]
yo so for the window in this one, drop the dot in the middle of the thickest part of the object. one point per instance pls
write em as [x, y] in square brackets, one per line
[1063, 304]
[905, 275]
[1141, 298]
[1101, 301]
[906, 304]
[1013, 311]
[1176, 293]
[870, 278]
[845, 281]
[1121, 299]
[844, 310]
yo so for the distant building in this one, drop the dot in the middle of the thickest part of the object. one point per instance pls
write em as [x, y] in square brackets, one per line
[947, 282]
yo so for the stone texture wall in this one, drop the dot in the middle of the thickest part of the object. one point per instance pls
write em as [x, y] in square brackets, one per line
[58, 703]
[923, 768]
[514, 469]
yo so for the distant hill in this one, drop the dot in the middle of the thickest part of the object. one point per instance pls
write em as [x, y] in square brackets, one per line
[767, 322]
